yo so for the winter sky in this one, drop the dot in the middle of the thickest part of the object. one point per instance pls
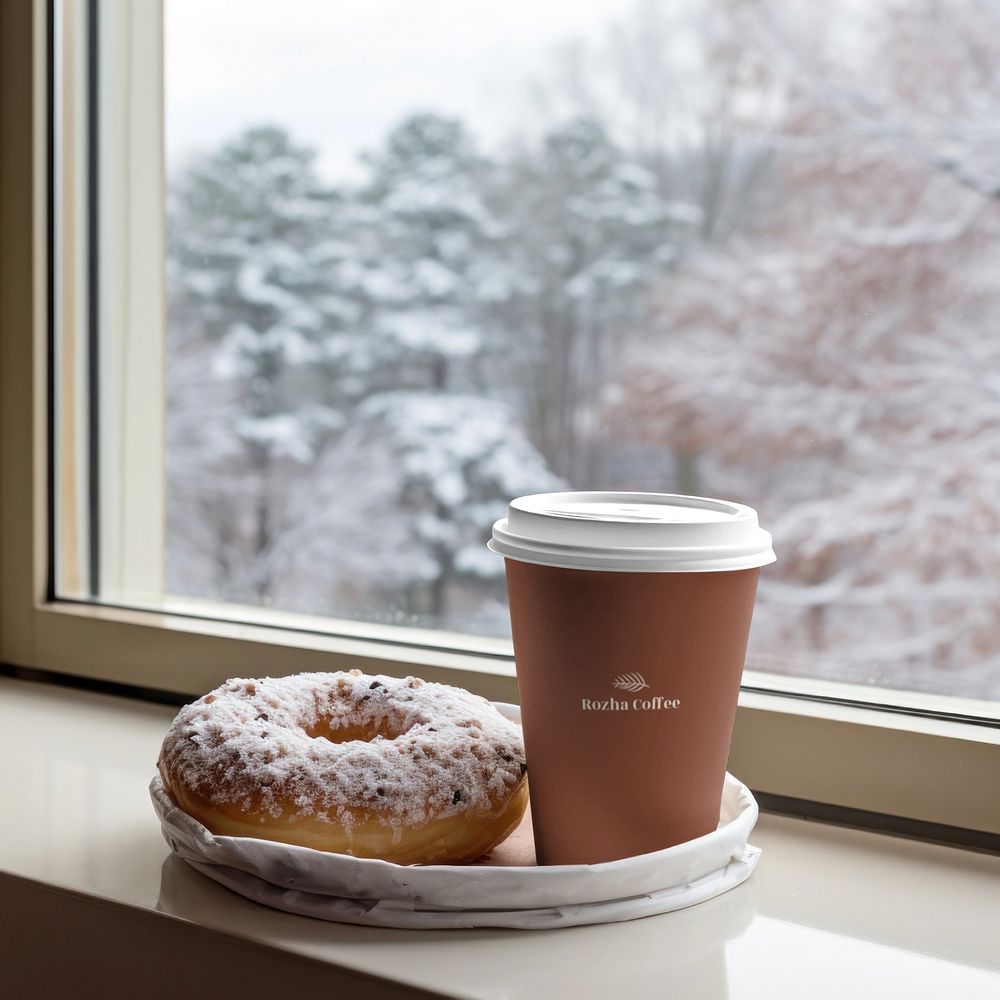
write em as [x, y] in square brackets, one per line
[340, 74]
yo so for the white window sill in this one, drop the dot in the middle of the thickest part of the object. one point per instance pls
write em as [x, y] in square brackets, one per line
[829, 912]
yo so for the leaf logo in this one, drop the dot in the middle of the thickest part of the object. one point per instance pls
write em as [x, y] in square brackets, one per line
[630, 682]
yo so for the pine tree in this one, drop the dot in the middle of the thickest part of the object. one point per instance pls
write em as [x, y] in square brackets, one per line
[428, 248]
[252, 255]
[423, 236]
[586, 230]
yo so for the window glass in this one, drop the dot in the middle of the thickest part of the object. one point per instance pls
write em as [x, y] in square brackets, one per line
[421, 258]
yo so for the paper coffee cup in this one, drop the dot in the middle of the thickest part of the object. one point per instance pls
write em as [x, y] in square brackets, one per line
[630, 614]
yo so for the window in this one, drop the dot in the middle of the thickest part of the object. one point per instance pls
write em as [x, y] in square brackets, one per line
[727, 250]
[330, 284]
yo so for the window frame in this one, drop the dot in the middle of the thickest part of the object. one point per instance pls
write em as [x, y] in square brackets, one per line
[796, 744]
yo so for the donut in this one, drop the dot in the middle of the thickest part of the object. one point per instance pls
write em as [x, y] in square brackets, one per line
[371, 766]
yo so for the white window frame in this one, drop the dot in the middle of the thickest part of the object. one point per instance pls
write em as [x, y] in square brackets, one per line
[927, 763]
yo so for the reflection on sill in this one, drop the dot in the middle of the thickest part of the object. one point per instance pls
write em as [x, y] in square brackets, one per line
[697, 937]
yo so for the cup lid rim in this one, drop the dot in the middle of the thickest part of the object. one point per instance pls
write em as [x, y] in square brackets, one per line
[632, 532]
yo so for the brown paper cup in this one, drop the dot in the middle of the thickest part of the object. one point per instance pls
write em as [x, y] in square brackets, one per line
[628, 684]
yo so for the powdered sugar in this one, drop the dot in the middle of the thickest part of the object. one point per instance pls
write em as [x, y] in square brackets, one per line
[327, 745]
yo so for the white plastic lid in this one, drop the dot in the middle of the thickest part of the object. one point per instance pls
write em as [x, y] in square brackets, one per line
[632, 532]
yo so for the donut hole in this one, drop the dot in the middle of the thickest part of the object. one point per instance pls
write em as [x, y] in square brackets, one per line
[353, 732]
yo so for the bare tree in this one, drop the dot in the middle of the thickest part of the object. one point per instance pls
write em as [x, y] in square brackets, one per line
[838, 366]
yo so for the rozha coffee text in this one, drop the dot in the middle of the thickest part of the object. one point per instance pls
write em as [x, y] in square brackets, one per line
[636, 704]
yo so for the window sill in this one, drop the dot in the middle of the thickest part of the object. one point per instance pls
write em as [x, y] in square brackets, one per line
[823, 898]
[186, 653]
[862, 760]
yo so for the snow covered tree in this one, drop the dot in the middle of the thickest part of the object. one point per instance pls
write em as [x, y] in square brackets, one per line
[677, 88]
[751, 251]
[331, 449]
[422, 236]
[586, 230]
[423, 271]
[836, 369]
[251, 253]
[459, 459]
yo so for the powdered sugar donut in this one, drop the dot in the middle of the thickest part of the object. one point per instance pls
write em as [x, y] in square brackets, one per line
[372, 766]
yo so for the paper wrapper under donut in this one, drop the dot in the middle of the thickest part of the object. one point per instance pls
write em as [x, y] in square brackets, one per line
[505, 889]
